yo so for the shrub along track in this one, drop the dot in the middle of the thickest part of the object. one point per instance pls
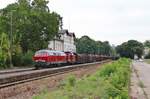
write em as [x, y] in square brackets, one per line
[31, 76]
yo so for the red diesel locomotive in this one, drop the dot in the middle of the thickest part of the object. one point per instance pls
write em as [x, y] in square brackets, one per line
[50, 58]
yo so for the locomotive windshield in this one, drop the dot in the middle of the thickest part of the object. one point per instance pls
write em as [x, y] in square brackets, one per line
[41, 53]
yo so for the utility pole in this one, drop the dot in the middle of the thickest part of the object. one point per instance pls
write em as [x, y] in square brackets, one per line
[11, 14]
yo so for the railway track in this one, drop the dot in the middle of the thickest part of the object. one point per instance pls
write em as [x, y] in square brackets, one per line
[15, 70]
[11, 79]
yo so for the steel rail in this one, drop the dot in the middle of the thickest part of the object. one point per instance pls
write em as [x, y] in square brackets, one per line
[49, 73]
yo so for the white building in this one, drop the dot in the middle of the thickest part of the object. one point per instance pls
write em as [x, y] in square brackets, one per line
[64, 41]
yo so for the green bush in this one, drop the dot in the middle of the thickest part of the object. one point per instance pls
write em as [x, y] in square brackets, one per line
[109, 82]
[27, 58]
[16, 58]
[147, 56]
[4, 50]
[2, 61]
[23, 59]
[71, 80]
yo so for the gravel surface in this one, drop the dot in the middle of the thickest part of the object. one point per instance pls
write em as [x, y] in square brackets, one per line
[140, 81]
[29, 89]
[31, 71]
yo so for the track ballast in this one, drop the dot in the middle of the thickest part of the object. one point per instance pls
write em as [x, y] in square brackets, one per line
[11, 79]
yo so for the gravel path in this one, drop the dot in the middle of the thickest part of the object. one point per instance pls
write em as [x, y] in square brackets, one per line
[140, 80]
[29, 89]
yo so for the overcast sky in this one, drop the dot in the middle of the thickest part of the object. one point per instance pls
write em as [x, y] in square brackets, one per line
[114, 20]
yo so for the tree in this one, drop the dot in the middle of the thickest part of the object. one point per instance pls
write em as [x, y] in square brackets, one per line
[130, 48]
[147, 43]
[87, 45]
[32, 22]
[33, 25]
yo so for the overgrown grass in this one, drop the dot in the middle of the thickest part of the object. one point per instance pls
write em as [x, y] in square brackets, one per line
[141, 84]
[109, 82]
[147, 61]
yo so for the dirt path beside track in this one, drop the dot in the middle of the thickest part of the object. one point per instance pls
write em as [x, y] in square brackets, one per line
[140, 80]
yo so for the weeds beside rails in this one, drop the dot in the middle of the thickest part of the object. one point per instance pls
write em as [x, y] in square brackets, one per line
[109, 82]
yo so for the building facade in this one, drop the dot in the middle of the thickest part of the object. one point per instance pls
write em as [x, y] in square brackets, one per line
[64, 41]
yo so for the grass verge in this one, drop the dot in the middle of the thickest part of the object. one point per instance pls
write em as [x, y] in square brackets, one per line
[147, 61]
[109, 82]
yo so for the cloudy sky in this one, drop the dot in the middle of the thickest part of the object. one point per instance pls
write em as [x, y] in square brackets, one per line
[113, 20]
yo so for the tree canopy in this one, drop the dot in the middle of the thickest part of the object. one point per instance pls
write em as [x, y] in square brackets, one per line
[87, 45]
[32, 25]
[130, 48]
[147, 43]
[32, 21]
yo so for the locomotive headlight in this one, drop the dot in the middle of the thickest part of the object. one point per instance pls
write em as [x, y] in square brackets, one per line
[40, 60]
